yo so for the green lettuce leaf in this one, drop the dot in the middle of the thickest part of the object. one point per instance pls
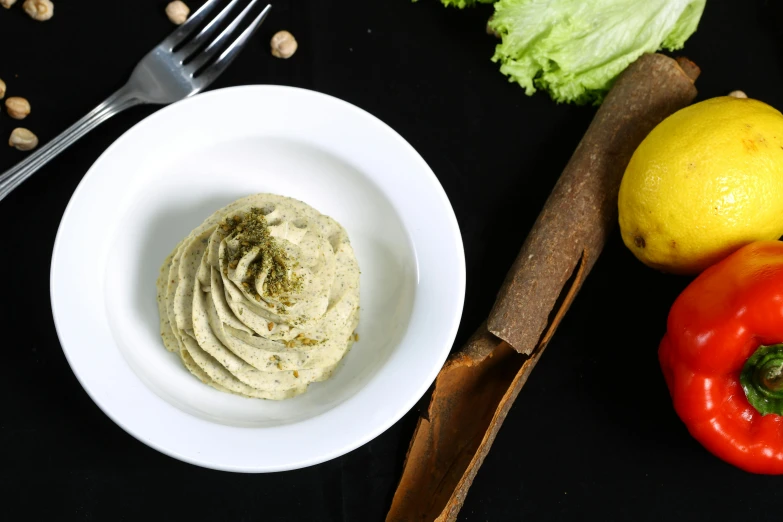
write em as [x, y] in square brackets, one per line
[574, 49]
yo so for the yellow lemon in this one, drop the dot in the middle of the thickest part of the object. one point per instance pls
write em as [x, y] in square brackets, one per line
[706, 181]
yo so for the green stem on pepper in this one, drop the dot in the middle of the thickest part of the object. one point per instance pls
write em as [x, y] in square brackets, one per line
[762, 379]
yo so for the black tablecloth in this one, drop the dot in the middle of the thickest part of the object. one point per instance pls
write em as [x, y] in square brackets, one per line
[592, 435]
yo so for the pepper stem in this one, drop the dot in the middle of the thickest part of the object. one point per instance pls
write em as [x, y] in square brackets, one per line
[762, 379]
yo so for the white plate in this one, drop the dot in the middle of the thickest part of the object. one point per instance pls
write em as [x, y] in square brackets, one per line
[162, 178]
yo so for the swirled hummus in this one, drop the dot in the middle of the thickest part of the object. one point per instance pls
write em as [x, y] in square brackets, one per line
[262, 298]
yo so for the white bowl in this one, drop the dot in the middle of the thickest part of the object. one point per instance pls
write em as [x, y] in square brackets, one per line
[162, 178]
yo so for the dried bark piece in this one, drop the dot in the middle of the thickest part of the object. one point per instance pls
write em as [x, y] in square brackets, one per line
[477, 386]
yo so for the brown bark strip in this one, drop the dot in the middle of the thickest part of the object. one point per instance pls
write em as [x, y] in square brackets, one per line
[582, 209]
[477, 386]
[462, 408]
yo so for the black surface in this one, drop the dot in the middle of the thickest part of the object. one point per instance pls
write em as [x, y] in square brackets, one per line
[592, 435]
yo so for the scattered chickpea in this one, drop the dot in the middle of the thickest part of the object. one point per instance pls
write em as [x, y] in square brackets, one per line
[283, 44]
[40, 10]
[738, 94]
[23, 139]
[177, 12]
[7, 3]
[2, 85]
[18, 108]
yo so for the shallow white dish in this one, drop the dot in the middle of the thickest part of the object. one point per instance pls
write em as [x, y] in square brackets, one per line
[162, 178]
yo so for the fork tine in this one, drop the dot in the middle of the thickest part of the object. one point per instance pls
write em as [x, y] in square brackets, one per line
[209, 29]
[211, 73]
[207, 54]
[184, 30]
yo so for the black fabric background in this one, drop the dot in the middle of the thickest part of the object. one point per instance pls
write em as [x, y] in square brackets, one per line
[592, 435]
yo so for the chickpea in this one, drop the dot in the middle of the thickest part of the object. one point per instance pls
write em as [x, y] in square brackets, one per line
[2, 86]
[283, 44]
[7, 3]
[18, 108]
[177, 12]
[738, 94]
[23, 139]
[40, 10]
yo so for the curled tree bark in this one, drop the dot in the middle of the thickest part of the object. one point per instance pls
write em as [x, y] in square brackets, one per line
[475, 389]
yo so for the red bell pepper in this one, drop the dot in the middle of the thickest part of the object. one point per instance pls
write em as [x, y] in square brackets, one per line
[722, 357]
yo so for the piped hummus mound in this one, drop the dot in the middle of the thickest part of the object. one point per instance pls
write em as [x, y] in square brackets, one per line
[262, 298]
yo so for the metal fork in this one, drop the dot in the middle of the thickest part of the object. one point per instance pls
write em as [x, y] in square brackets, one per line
[176, 69]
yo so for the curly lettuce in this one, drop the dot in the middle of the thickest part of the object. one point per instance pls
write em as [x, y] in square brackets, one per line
[574, 49]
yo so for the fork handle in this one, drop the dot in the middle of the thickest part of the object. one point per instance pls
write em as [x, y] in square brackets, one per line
[117, 102]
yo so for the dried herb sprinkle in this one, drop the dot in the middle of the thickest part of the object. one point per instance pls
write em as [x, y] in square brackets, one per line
[249, 231]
